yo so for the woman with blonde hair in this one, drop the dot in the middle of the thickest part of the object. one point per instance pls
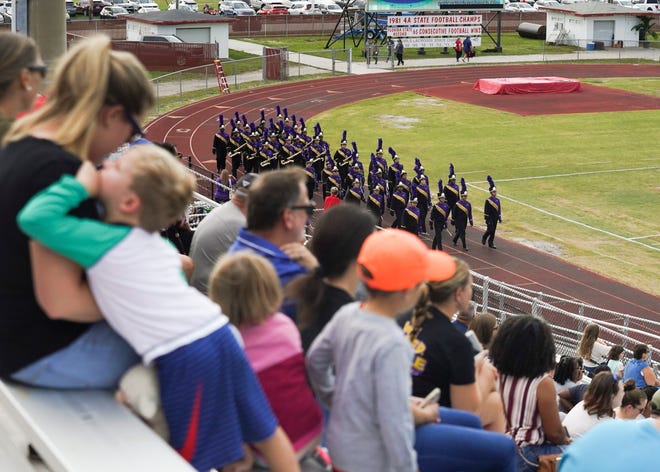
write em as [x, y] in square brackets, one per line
[94, 105]
[591, 349]
[444, 357]
[247, 288]
[21, 75]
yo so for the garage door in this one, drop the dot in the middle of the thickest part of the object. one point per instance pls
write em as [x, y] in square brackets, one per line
[604, 31]
[194, 35]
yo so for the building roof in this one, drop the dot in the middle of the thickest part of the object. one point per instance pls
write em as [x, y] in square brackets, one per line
[177, 17]
[594, 9]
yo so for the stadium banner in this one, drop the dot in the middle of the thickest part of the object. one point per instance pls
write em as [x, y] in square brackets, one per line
[434, 20]
[430, 6]
[416, 32]
[444, 42]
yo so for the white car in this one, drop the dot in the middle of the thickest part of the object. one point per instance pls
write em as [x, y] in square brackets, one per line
[624, 3]
[547, 3]
[648, 5]
[301, 8]
[520, 7]
[257, 4]
[235, 8]
[113, 12]
[191, 4]
[146, 6]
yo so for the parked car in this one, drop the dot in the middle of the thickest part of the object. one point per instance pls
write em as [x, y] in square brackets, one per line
[235, 8]
[302, 8]
[624, 3]
[192, 5]
[257, 4]
[162, 38]
[182, 7]
[113, 12]
[273, 9]
[70, 7]
[647, 5]
[331, 8]
[96, 6]
[146, 6]
[547, 3]
[130, 6]
[519, 7]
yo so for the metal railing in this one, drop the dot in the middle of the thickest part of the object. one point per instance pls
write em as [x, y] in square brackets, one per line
[568, 318]
[250, 70]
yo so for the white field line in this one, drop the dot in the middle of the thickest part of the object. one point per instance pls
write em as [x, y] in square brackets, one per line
[568, 220]
[572, 174]
[646, 237]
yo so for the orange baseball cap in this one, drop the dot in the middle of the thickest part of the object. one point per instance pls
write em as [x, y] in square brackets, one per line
[392, 259]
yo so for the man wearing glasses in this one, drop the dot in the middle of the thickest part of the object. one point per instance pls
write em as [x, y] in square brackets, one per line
[277, 216]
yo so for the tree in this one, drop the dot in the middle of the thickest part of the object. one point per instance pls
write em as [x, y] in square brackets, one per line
[644, 28]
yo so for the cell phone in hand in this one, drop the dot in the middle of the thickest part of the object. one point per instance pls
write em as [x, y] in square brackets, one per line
[431, 398]
[474, 341]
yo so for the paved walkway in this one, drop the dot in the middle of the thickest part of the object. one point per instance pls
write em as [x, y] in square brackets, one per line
[411, 59]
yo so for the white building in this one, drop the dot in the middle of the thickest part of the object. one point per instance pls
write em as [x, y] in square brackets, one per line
[192, 27]
[581, 24]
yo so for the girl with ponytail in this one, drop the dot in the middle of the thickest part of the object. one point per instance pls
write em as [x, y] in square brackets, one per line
[444, 357]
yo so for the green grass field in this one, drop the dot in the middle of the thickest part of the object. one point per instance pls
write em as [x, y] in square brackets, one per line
[584, 187]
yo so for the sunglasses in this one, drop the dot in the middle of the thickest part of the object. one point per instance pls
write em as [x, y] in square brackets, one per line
[41, 69]
[138, 132]
[309, 208]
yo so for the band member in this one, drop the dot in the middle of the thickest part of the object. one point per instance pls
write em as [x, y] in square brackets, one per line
[355, 194]
[461, 214]
[422, 193]
[343, 156]
[311, 180]
[376, 204]
[411, 217]
[235, 148]
[492, 214]
[451, 190]
[399, 203]
[438, 220]
[220, 145]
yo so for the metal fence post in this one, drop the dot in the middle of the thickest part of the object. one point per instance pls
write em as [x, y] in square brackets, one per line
[484, 295]
[350, 60]
[334, 60]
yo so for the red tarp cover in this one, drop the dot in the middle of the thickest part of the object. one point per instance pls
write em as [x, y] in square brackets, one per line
[510, 86]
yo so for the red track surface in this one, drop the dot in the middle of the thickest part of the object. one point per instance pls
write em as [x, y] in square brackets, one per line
[191, 129]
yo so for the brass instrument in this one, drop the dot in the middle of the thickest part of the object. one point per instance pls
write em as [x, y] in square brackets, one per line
[237, 150]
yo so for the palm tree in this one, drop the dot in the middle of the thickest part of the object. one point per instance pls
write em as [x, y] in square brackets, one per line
[644, 28]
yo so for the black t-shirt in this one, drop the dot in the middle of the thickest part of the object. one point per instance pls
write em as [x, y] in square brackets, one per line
[333, 299]
[26, 333]
[443, 357]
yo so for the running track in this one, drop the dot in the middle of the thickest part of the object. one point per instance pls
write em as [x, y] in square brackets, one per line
[191, 129]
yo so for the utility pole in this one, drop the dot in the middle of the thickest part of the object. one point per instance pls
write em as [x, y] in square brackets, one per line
[44, 21]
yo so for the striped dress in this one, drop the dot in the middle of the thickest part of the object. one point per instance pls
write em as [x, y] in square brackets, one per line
[521, 409]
